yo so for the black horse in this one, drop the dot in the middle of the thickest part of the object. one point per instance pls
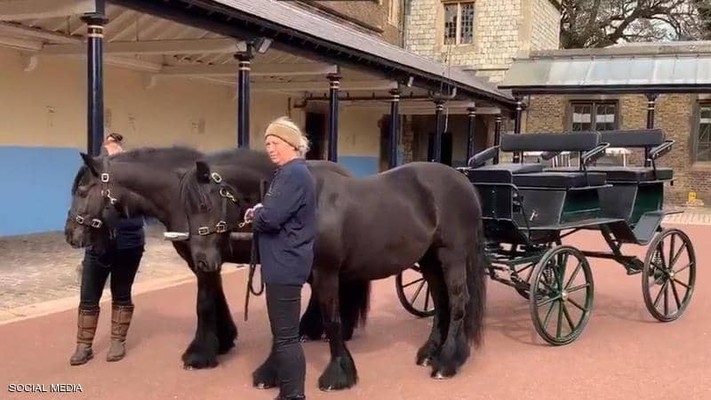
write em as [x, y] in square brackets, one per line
[369, 228]
[146, 182]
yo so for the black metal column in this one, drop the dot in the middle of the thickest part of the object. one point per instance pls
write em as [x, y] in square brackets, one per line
[335, 80]
[517, 126]
[243, 92]
[95, 77]
[497, 136]
[439, 127]
[651, 102]
[471, 114]
[394, 119]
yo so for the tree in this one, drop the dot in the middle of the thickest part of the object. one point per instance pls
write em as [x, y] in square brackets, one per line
[602, 23]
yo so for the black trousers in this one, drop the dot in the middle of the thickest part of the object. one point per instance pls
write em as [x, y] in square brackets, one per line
[121, 265]
[284, 309]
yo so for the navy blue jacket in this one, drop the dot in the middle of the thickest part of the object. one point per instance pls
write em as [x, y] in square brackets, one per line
[286, 225]
[129, 233]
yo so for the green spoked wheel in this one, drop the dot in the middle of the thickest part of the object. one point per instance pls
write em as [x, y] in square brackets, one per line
[414, 292]
[669, 275]
[561, 295]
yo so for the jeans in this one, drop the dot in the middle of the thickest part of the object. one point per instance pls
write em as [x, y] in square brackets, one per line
[122, 265]
[284, 309]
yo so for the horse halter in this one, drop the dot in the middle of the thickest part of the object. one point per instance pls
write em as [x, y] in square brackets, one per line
[97, 223]
[226, 193]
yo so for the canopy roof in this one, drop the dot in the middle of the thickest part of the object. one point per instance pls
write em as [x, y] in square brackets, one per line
[662, 68]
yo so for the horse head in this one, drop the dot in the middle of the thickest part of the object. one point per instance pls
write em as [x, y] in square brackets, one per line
[140, 182]
[94, 201]
[214, 198]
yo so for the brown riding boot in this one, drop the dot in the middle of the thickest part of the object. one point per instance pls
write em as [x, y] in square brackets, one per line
[87, 321]
[120, 321]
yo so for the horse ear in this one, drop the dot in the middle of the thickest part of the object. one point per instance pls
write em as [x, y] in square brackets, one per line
[91, 163]
[203, 171]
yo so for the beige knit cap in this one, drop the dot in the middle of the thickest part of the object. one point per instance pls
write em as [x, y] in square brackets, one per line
[284, 129]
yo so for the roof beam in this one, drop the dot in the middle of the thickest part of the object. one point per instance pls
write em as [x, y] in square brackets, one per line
[168, 47]
[33, 33]
[297, 69]
[323, 86]
[15, 10]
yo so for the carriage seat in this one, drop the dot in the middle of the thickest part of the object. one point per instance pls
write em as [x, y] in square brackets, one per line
[533, 175]
[627, 174]
[560, 180]
[501, 173]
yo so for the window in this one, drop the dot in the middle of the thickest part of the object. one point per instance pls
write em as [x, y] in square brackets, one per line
[593, 116]
[703, 136]
[459, 23]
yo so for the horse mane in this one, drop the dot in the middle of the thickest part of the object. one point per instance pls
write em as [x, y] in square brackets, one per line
[81, 173]
[159, 156]
[193, 195]
[196, 197]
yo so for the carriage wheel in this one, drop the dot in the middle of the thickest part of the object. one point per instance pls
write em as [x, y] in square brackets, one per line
[670, 266]
[561, 294]
[417, 285]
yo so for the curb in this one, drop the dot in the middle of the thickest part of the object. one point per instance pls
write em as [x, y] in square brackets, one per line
[45, 308]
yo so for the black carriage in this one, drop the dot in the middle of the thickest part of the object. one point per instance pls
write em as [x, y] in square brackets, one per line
[528, 208]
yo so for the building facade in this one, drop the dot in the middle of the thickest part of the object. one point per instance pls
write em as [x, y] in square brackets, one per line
[173, 81]
[482, 37]
[625, 78]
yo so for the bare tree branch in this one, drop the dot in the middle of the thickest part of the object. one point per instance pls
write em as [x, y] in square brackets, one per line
[601, 23]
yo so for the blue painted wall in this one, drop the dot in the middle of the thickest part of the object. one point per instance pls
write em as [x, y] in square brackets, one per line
[360, 165]
[36, 184]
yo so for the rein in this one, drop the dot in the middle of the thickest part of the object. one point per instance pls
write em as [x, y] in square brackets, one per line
[254, 256]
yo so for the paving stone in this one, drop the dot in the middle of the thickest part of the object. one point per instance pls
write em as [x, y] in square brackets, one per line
[42, 267]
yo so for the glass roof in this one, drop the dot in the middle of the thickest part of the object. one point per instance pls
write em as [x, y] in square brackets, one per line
[629, 71]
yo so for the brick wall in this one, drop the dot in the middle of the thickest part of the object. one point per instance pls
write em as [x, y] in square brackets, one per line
[674, 114]
[544, 114]
[502, 30]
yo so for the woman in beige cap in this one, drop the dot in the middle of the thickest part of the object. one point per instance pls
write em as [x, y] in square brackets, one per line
[120, 262]
[286, 227]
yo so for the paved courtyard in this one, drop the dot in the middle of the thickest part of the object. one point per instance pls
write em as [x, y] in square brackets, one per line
[38, 273]
[622, 354]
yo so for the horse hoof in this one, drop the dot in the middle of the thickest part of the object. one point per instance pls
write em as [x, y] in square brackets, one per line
[439, 376]
[425, 362]
[188, 367]
[263, 386]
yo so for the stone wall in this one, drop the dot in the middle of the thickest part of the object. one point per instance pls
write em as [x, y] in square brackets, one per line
[545, 32]
[675, 114]
[370, 16]
[502, 30]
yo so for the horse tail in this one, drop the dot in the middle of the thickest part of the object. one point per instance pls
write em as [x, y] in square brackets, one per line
[477, 264]
[354, 301]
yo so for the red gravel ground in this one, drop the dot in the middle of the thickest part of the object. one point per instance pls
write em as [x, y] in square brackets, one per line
[623, 353]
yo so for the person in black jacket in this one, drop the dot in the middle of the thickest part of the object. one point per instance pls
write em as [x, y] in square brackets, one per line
[120, 261]
[285, 223]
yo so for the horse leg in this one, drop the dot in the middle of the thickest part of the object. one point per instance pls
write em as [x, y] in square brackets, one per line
[202, 351]
[354, 304]
[432, 272]
[341, 371]
[226, 328]
[311, 325]
[455, 349]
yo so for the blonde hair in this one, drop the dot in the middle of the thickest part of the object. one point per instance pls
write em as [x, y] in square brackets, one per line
[303, 142]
